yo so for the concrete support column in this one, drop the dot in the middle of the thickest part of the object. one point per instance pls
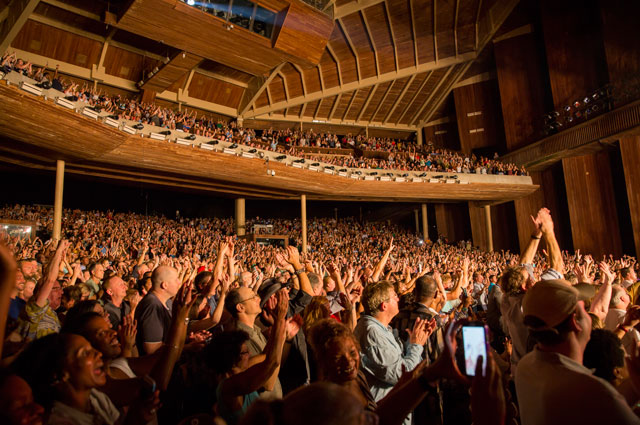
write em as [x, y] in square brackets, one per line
[240, 217]
[487, 223]
[415, 213]
[425, 227]
[57, 204]
[303, 219]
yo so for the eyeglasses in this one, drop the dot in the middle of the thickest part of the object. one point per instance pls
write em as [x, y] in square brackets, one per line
[254, 296]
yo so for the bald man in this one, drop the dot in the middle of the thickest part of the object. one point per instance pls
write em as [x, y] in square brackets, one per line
[154, 311]
[115, 291]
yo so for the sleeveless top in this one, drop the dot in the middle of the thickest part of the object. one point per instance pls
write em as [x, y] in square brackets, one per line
[232, 417]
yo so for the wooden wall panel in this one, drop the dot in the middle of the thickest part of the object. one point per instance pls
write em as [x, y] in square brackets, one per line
[345, 57]
[478, 226]
[453, 221]
[523, 84]
[575, 51]
[124, 64]
[592, 207]
[442, 136]
[293, 81]
[54, 43]
[276, 89]
[312, 80]
[483, 132]
[621, 38]
[215, 91]
[504, 227]
[630, 152]
[329, 71]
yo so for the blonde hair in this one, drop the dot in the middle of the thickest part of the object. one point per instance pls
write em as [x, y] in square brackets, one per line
[375, 294]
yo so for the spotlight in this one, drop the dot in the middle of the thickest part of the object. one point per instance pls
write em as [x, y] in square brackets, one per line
[191, 2]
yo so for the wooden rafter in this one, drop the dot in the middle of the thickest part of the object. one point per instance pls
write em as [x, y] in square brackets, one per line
[413, 98]
[413, 32]
[75, 10]
[366, 82]
[320, 77]
[284, 83]
[477, 23]
[335, 106]
[268, 95]
[301, 73]
[399, 98]
[353, 7]
[373, 46]
[455, 26]
[428, 101]
[393, 37]
[351, 47]
[222, 77]
[302, 109]
[384, 97]
[366, 102]
[315, 114]
[435, 32]
[256, 86]
[346, 111]
[336, 60]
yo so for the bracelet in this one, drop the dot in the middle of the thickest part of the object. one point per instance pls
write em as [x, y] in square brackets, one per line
[533, 237]
[622, 328]
[300, 271]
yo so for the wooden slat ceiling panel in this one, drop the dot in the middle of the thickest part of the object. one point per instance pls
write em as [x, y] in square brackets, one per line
[345, 57]
[358, 103]
[343, 2]
[402, 103]
[293, 80]
[71, 19]
[440, 91]
[125, 64]
[444, 27]
[218, 68]
[215, 91]
[61, 45]
[276, 89]
[377, 21]
[401, 24]
[375, 100]
[179, 66]
[354, 25]
[391, 99]
[310, 110]
[262, 100]
[325, 107]
[483, 25]
[294, 111]
[312, 79]
[466, 25]
[329, 71]
[423, 96]
[345, 99]
[423, 16]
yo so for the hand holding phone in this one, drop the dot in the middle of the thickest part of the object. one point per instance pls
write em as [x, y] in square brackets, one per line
[474, 341]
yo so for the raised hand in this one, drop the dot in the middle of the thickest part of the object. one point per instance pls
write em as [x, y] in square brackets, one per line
[419, 334]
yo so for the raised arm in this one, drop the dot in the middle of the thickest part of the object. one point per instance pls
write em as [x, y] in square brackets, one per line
[293, 258]
[52, 274]
[600, 303]
[536, 234]
[8, 269]
[553, 249]
[383, 261]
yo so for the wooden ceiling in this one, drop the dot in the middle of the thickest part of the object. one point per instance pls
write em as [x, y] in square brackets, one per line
[367, 63]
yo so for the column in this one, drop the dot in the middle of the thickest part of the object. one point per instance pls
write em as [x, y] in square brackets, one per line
[240, 217]
[419, 136]
[303, 219]
[57, 205]
[425, 227]
[415, 213]
[487, 224]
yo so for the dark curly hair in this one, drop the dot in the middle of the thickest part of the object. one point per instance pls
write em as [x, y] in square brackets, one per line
[224, 350]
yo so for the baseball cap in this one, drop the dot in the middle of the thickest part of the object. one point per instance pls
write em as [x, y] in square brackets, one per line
[549, 301]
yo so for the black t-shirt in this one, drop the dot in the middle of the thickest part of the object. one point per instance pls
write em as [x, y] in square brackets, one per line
[154, 320]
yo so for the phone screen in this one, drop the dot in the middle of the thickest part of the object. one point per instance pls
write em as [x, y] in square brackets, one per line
[475, 344]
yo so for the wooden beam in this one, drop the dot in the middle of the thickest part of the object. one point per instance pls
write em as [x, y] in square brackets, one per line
[353, 7]
[435, 33]
[18, 11]
[187, 81]
[315, 114]
[335, 59]
[362, 124]
[346, 111]
[351, 47]
[302, 109]
[335, 105]
[399, 99]
[413, 32]
[366, 82]
[284, 83]
[479, 78]
[301, 72]
[75, 10]
[255, 89]
[366, 102]
[477, 39]
[221, 77]
[523, 30]
[413, 98]
[433, 92]
[393, 38]
[373, 46]
[269, 95]
[455, 26]
[320, 77]
[384, 97]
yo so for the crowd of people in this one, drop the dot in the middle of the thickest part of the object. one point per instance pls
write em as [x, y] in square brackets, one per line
[393, 154]
[144, 319]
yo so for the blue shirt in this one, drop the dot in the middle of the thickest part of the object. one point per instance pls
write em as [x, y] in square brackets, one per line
[384, 356]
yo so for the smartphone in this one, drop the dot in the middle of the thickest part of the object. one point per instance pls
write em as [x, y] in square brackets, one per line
[474, 342]
[148, 387]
